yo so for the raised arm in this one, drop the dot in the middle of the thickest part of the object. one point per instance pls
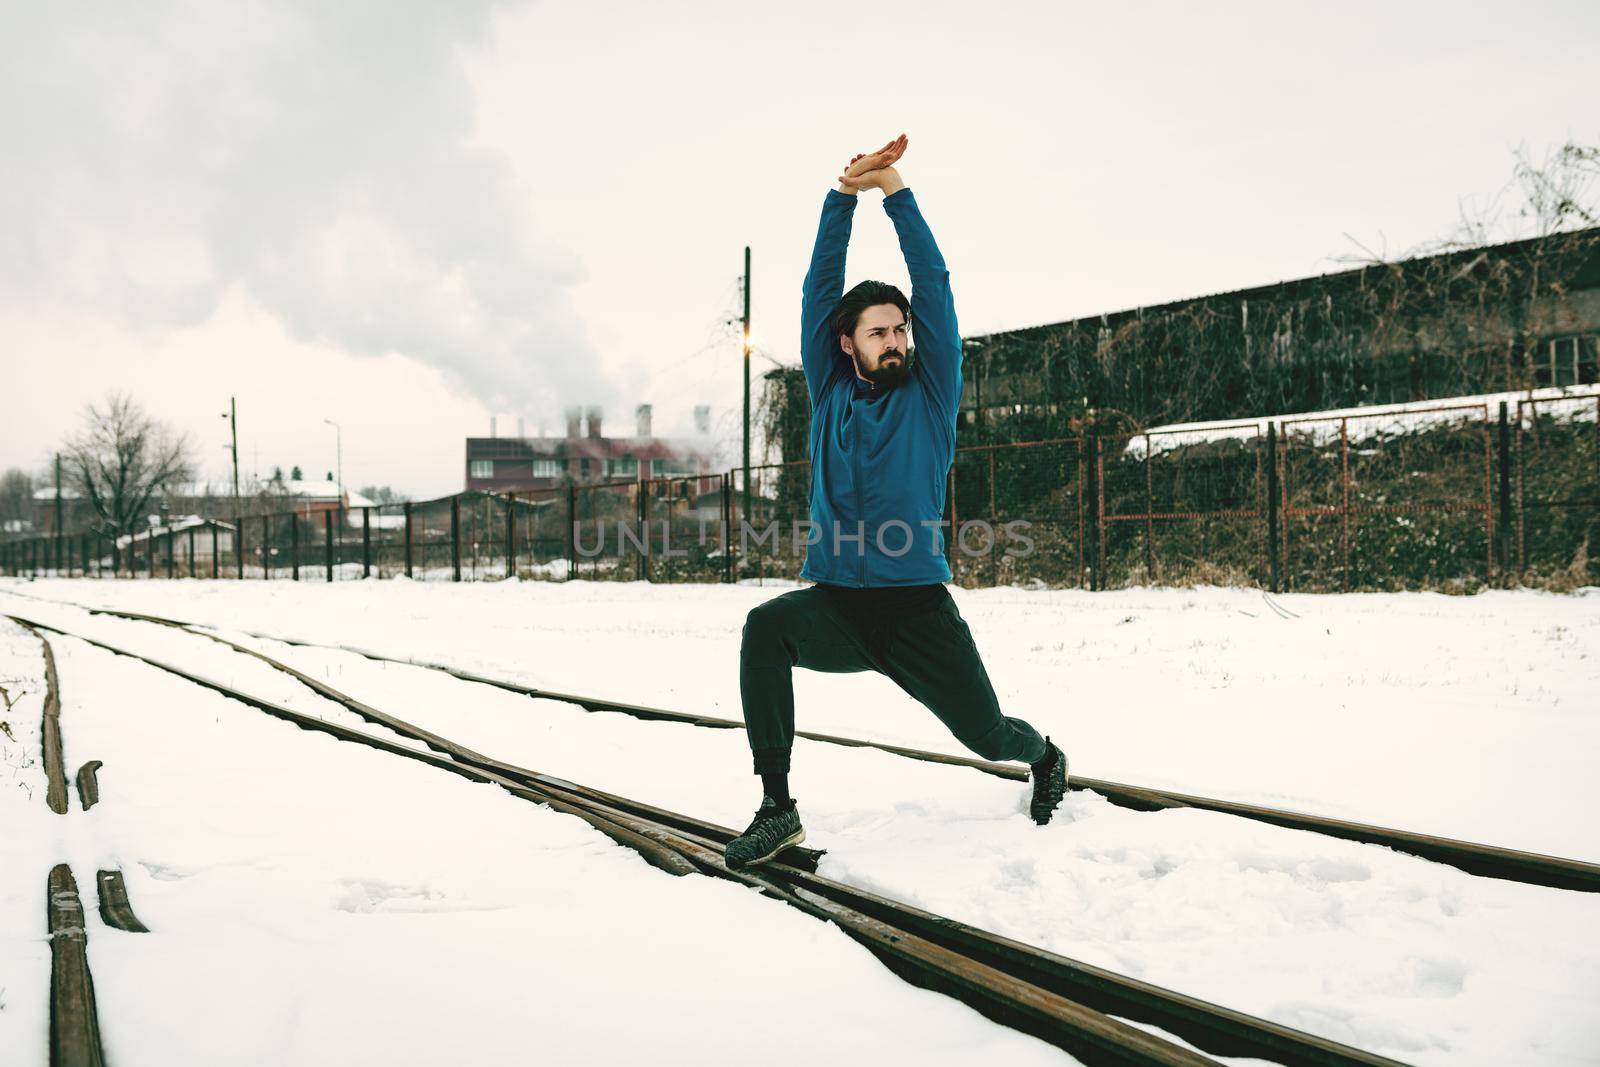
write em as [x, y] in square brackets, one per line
[933, 308]
[824, 285]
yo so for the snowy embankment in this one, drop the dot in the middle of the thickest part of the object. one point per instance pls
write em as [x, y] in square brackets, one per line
[1472, 717]
[316, 902]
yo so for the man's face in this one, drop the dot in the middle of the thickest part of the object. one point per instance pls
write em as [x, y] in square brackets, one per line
[880, 345]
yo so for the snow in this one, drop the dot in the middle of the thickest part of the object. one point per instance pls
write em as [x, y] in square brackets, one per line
[175, 526]
[1472, 717]
[1571, 403]
[317, 902]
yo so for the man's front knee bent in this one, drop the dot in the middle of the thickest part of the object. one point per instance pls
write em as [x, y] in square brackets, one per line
[765, 625]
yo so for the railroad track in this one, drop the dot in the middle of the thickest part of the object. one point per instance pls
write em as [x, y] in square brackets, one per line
[1490, 861]
[74, 1020]
[1073, 1005]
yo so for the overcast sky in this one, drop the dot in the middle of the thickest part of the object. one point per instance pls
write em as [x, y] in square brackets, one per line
[406, 217]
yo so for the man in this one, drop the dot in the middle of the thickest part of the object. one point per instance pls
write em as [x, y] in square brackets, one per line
[883, 430]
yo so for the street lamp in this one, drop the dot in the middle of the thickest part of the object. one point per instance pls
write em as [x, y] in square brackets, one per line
[338, 445]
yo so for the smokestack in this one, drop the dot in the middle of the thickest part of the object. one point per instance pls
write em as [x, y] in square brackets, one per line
[574, 416]
[594, 422]
[643, 415]
[520, 433]
[491, 426]
[702, 419]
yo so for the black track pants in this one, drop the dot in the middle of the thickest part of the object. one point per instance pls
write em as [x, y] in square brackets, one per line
[925, 648]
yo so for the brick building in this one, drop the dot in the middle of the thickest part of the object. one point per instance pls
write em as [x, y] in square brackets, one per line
[584, 455]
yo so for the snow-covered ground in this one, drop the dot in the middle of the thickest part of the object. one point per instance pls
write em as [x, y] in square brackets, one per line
[367, 892]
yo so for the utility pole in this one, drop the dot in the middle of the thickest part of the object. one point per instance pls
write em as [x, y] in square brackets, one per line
[233, 428]
[746, 385]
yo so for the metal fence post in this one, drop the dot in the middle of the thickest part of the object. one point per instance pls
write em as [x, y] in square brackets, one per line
[641, 565]
[1097, 494]
[1503, 526]
[572, 532]
[408, 538]
[294, 546]
[1344, 503]
[191, 552]
[727, 526]
[1275, 575]
[455, 539]
[171, 553]
[511, 535]
[366, 542]
[327, 543]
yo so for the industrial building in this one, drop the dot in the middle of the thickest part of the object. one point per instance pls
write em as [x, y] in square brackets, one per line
[584, 455]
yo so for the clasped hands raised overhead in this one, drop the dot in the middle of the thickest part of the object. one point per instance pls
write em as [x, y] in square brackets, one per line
[875, 170]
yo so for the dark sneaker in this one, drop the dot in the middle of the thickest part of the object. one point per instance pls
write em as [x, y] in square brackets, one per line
[1049, 783]
[773, 830]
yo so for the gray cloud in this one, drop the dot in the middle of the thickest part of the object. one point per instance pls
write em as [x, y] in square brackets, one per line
[317, 156]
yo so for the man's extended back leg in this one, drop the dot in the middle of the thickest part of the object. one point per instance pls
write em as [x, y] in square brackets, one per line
[933, 658]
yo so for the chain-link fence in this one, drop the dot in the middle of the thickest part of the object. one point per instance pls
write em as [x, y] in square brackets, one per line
[1453, 497]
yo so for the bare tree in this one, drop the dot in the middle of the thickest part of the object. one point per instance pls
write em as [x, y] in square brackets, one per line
[1559, 192]
[16, 500]
[122, 459]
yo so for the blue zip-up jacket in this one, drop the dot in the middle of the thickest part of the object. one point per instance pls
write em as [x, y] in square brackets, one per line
[880, 457]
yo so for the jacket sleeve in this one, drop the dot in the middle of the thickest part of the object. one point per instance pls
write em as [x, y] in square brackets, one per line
[934, 331]
[824, 285]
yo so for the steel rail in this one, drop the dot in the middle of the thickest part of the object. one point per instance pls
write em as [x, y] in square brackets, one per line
[1056, 998]
[1488, 861]
[74, 1022]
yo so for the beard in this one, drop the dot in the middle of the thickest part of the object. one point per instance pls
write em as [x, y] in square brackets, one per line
[889, 374]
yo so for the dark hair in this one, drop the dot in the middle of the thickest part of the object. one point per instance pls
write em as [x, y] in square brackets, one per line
[863, 296]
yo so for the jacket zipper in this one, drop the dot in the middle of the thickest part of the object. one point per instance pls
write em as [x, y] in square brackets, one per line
[855, 456]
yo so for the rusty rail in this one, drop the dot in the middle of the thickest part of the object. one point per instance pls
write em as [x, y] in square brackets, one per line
[1060, 1000]
[1488, 861]
[50, 730]
[115, 910]
[74, 1023]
